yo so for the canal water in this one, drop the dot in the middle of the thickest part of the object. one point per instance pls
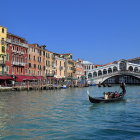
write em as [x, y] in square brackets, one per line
[67, 114]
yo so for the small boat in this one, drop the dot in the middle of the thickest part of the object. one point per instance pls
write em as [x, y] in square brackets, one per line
[117, 97]
[92, 84]
[64, 87]
[109, 85]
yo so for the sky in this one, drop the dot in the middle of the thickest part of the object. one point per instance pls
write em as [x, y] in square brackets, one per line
[100, 31]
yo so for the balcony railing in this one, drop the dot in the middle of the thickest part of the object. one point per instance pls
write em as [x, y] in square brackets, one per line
[2, 62]
[50, 74]
[3, 42]
[17, 43]
[18, 52]
[61, 68]
[18, 63]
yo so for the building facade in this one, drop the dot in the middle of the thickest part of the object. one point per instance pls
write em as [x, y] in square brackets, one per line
[3, 37]
[88, 66]
[79, 69]
[60, 66]
[36, 60]
[16, 55]
[50, 64]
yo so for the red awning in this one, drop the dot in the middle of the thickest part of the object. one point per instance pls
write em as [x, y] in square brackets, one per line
[6, 78]
[20, 78]
[51, 78]
[39, 77]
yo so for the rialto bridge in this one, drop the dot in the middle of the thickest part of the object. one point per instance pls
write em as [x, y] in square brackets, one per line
[118, 71]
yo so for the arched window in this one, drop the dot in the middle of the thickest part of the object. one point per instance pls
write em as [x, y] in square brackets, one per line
[136, 69]
[90, 75]
[94, 74]
[109, 70]
[115, 69]
[104, 71]
[130, 68]
[99, 73]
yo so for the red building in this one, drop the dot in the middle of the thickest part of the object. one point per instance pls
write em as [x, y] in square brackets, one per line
[17, 55]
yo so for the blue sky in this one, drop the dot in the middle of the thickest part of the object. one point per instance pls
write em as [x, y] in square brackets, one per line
[100, 31]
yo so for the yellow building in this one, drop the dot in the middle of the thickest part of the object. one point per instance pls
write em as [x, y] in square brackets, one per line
[3, 37]
[50, 64]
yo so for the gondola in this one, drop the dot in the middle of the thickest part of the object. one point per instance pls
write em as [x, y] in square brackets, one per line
[102, 99]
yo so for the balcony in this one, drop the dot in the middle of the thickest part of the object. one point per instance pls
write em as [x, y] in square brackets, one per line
[17, 43]
[18, 63]
[50, 74]
[61, 68]
[2, 63]
[17, 52]
[3, 42]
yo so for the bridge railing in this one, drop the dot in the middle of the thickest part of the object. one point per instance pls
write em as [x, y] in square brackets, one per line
[117, 72]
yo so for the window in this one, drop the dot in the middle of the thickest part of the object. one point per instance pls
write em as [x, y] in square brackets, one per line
[34, 65]
[12, 57]
[30, 65]
[2, 41]
[2, 30]
[12, 69]
[3, 49]
[34, 58]
[7, 46]
[44, 67]
[7, 68]
[7, 57]
[29, 57]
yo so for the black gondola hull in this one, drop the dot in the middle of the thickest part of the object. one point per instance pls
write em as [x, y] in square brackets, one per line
[103, 100]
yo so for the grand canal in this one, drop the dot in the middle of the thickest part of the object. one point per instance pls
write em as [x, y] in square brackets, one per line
[67, 114]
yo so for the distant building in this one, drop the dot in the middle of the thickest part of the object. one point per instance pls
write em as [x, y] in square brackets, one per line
[134, 60]
[79, 69]
[88, 66]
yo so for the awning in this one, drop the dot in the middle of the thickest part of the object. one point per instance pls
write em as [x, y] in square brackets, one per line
[6, 78]
[21, 78]
[51, 78]
[39, 77]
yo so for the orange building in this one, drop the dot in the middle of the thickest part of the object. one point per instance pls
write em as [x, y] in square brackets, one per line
[36, 60]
